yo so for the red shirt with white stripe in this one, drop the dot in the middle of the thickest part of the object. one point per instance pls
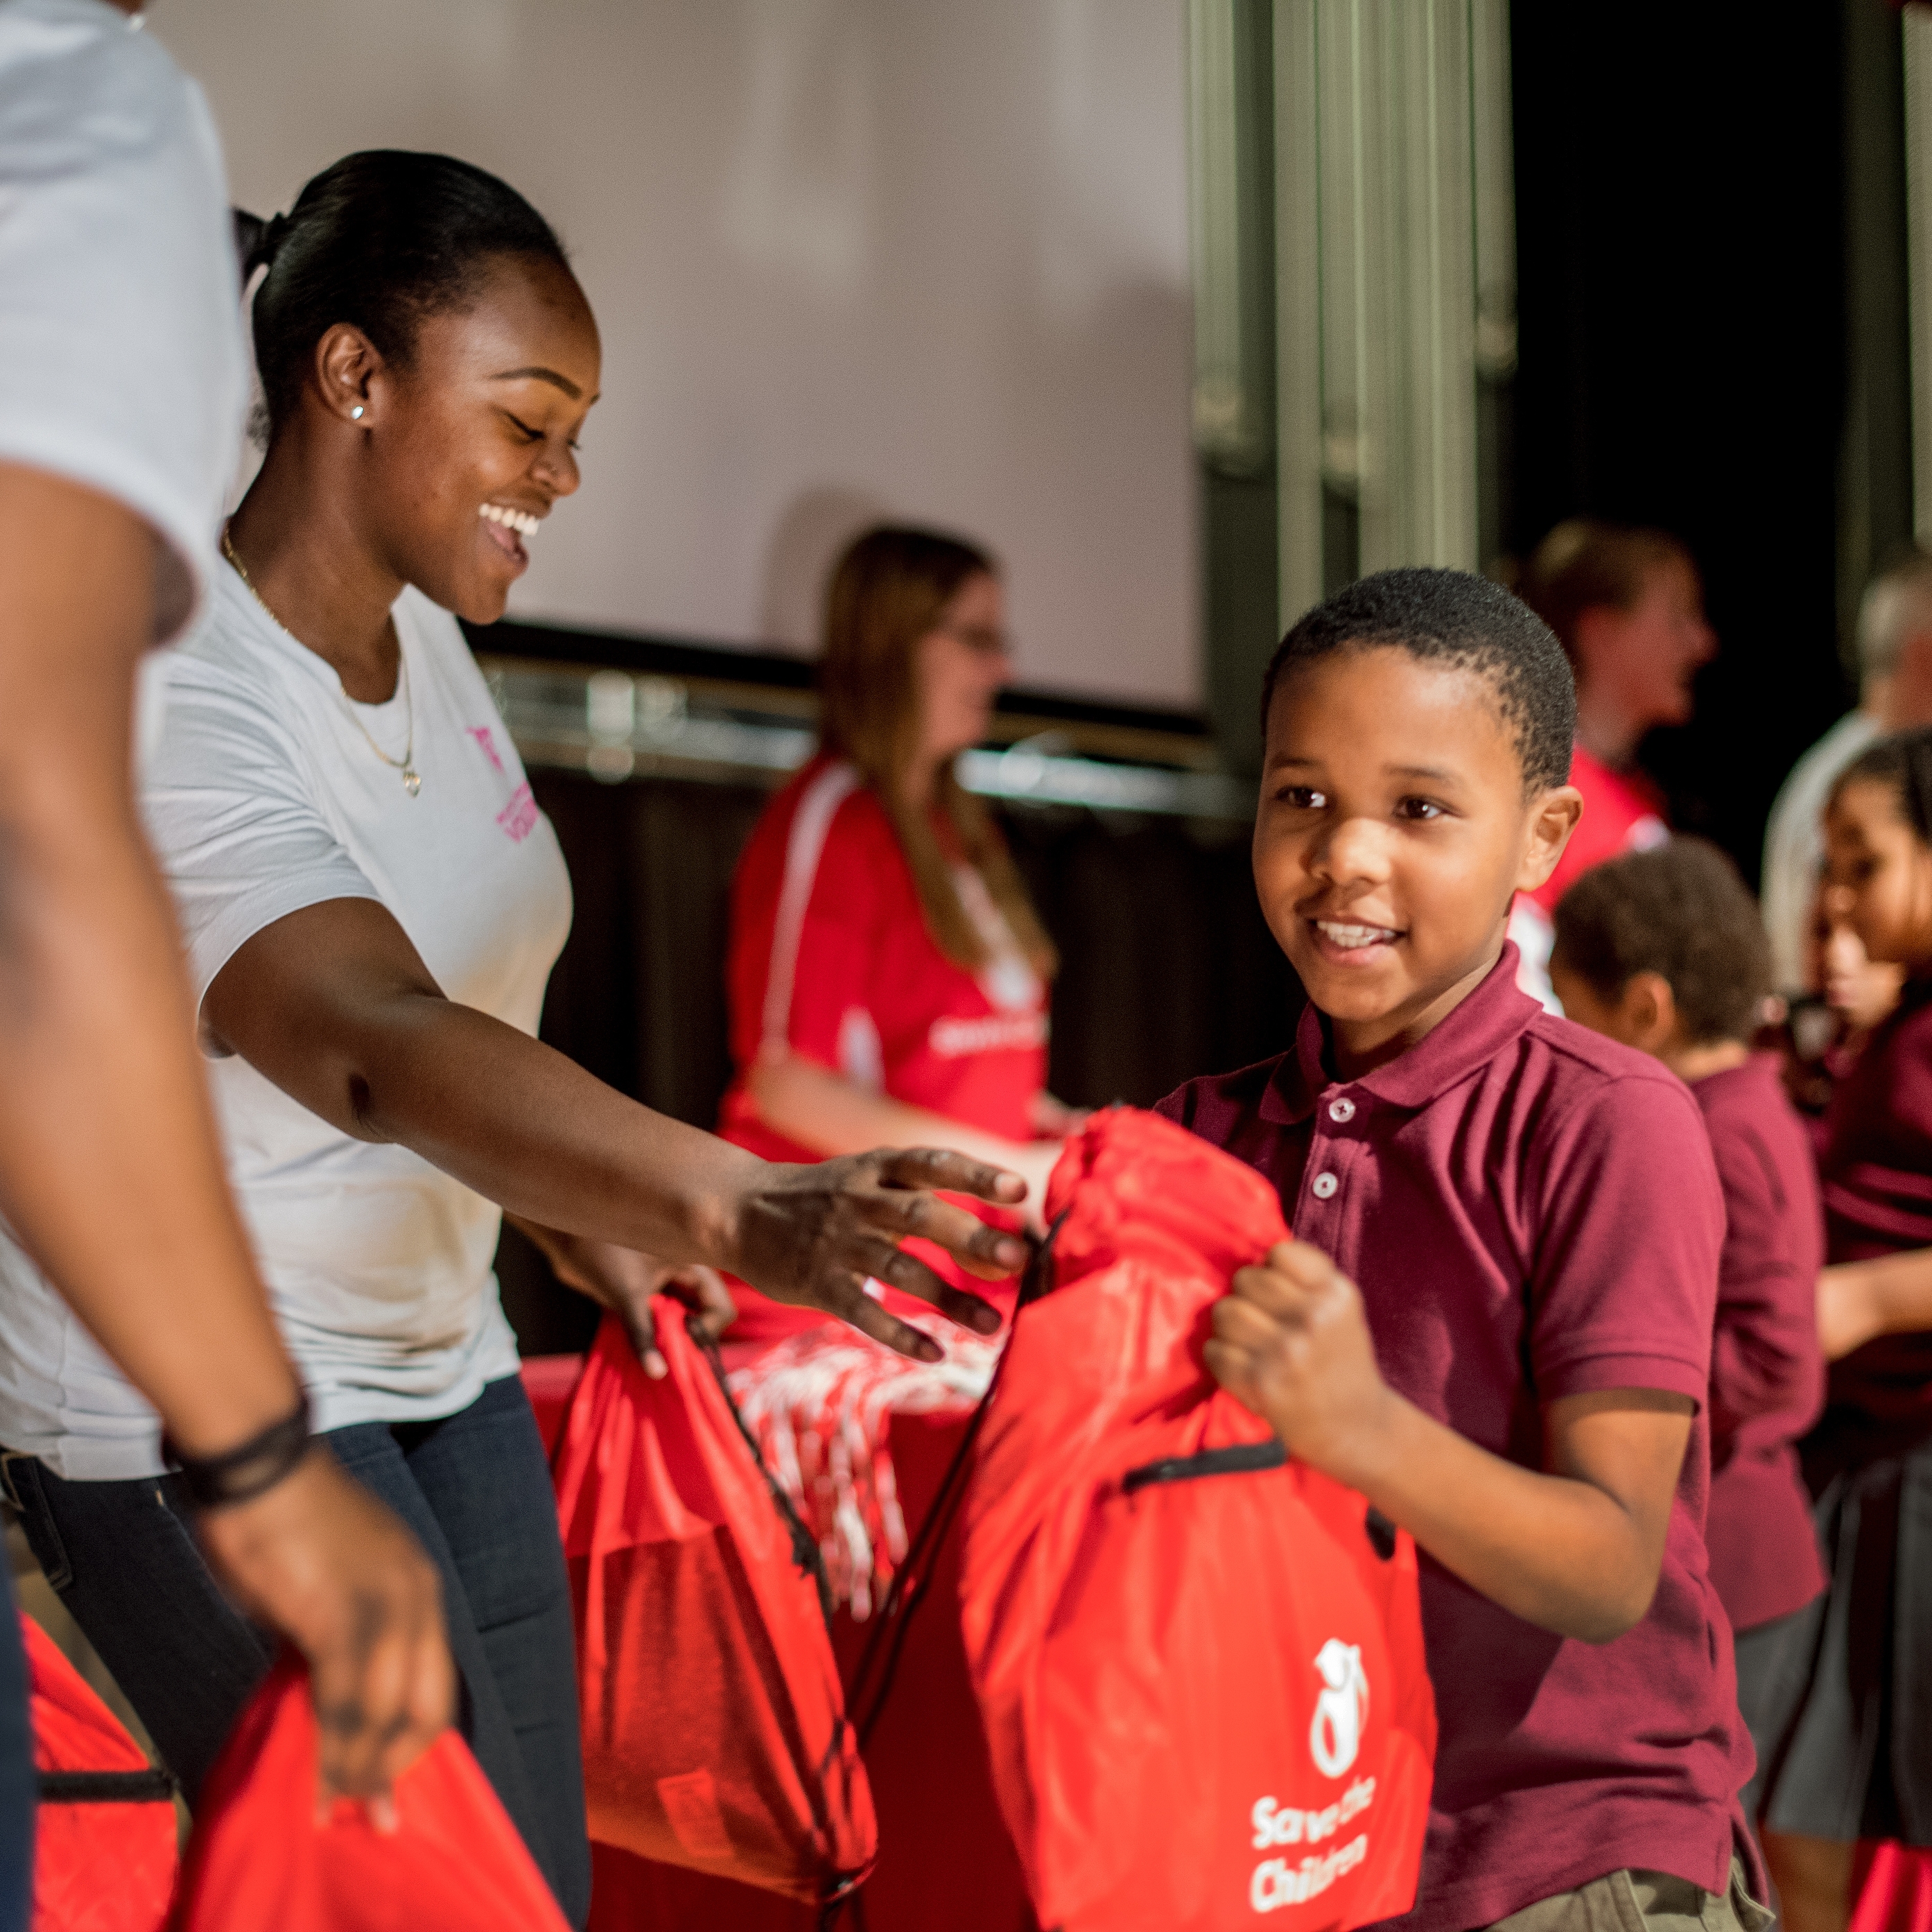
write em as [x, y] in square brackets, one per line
[1623, 811]
[831, 958]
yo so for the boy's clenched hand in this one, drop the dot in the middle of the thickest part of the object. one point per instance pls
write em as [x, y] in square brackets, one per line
[1291, 1343]
[1575, 1547]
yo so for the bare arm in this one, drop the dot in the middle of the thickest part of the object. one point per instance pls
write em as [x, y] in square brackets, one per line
[1575, 1547]
[333, 1004]
[109, 1168]
[1858, 1301]
[822, 1110]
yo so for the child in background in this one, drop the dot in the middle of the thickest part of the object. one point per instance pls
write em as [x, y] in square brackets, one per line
[1822, 1039]
[1665, 951]
[1858, 992]
[1853, 1758]
[1495, 1320]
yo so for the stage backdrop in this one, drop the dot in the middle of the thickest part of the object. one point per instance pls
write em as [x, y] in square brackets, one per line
[850, 257]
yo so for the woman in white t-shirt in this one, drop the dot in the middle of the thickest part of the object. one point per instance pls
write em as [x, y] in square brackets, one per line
[372, 903]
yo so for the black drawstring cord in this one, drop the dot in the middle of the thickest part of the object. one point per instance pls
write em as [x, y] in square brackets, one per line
[902, 1601]
[914, 1577]
[810, 1559]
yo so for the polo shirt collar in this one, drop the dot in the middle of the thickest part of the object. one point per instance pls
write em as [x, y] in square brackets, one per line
[1485, 1023]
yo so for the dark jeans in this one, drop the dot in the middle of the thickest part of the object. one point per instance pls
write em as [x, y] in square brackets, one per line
[475, 1489]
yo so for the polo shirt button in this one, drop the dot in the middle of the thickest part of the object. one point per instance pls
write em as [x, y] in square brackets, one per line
[1323, 1185]
[1341, 1110]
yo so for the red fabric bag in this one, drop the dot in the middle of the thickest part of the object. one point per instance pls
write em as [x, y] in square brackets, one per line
[258, 1861]
[549, 1381]
[1891, 1887]
[1200, 1664]
[104, 1832]
[715, 1733]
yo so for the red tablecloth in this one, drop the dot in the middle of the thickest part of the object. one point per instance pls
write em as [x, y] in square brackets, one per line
[1891, 1888]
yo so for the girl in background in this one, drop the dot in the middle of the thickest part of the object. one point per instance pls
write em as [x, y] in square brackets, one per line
[1664, 951]
[1852, 1758]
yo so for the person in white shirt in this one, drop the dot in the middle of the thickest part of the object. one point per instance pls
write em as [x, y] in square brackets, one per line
[372, 902]
[1894, 646]
[122, 383]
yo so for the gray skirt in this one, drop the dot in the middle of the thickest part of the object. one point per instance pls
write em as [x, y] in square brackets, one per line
[1848, 1721]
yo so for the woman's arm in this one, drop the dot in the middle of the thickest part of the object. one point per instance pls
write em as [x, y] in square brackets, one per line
[109, 1170]
[333, 1004]
[1858, 1301]
[1575, 1548]
[825, 1112]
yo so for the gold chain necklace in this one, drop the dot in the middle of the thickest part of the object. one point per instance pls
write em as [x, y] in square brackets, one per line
[405, 764]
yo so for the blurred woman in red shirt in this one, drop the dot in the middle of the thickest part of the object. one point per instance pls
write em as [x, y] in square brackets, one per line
[888, 975]
[1627, 606]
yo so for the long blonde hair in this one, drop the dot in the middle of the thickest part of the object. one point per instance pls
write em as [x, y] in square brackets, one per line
[889, 591]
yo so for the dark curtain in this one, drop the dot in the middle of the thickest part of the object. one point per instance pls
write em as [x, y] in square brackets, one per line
[1682, 276]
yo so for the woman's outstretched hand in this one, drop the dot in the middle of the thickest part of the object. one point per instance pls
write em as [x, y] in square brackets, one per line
[812, 1235]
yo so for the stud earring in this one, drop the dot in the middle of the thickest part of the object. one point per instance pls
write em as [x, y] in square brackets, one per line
[356, 414]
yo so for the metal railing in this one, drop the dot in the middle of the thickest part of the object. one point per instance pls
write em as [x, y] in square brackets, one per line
[618, 725]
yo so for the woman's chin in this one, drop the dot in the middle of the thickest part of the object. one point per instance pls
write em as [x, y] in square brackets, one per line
[479, 601]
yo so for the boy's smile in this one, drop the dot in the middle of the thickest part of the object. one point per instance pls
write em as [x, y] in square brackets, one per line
[1392, 832]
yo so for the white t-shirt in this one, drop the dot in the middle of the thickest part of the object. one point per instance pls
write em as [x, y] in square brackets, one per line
[264, 796]
[121, 362]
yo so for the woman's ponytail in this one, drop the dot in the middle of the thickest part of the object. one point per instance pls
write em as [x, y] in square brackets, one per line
[257, 242]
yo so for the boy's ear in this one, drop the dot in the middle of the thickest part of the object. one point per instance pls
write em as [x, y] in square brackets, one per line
[1552, 819]
[1648, 1009]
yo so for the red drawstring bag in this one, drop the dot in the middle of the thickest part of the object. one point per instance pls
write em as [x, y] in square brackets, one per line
[715, 1733]
[1201, 1662]
[258, 1861]
[104, 1832]
[1891, 1887]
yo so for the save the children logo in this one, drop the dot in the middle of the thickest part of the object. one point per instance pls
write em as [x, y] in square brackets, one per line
[1279, 1881]
[1341, 1708]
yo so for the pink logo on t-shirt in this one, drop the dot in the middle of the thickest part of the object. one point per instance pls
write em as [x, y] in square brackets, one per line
[519, 818]
[485, 737]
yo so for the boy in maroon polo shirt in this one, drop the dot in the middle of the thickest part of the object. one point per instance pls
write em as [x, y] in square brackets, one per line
[1496, 1318]
[1665, 951]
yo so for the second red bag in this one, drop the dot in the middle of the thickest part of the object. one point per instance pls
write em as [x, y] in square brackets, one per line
[715, 1732]
[1200, 1662]
[104, 1829]
[258, 1861]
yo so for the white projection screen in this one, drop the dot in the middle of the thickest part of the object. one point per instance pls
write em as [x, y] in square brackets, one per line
[849, 258]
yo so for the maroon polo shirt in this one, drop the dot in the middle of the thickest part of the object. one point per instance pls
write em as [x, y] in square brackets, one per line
[1767, 1375]
[1876, 1165]
[1530, 1211]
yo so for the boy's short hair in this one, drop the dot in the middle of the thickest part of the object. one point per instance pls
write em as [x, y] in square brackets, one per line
[1680, 910]
[1451, 618]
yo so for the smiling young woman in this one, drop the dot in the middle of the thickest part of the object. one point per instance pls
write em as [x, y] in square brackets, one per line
[372, 902]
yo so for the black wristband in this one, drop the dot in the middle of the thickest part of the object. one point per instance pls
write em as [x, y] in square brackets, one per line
[246, 1471]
